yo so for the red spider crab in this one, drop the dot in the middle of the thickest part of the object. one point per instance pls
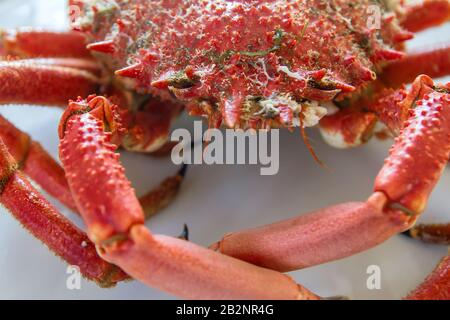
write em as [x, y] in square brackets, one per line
[252, 63]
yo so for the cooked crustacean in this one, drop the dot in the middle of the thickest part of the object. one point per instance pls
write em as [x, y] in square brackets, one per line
[338, 64]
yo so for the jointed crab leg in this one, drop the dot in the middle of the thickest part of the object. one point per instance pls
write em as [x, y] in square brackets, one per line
[432, 233]
[434, 62]
[42, 81]
[351, 127]
[55, 81]
[38, 216]
[27, 43]
[159, 198]
[416, 161]
[354, 125]
[315, 238]
[115, 221]
[43, 169]
[75, 63]
[36, 162]
[436, 285]
[21, 82]
[425, 14]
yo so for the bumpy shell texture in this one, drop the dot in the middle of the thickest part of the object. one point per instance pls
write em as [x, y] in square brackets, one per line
[247, 63]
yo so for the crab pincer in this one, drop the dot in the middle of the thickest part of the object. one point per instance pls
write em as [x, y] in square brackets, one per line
[416, 162]
[115, 221]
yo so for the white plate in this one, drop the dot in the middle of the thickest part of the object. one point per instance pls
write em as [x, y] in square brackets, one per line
[216, 200]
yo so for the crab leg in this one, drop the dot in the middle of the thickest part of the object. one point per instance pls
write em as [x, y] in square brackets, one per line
[159, 198]
[43, 169]
[413, 167]
[115, 221]
[351, 127]
[434, 62]
[426, 14]
[149, 130]
[28, 42]
[56, 81]
[21, 82]
[436, 285]
[36, 162]
[315, 238]
[75, 63]
[40, 218]
[432, 233]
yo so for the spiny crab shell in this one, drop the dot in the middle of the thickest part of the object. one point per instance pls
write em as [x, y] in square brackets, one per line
[248, 63]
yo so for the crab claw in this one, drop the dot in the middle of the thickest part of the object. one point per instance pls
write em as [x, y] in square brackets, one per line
[315, 238]
[402, 188]
[348, 128]
[115, 220]
[151, 126]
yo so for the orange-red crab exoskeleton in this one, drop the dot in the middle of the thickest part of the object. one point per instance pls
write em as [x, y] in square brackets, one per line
[242, 64]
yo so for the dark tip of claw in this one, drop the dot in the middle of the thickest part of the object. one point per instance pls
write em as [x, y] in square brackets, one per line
[185, 234]
[182, 172]
[407, 233]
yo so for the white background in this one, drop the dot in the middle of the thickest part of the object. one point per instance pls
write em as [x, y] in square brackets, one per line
[218, 199]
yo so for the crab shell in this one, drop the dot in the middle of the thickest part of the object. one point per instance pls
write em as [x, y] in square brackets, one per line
[253, 63]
